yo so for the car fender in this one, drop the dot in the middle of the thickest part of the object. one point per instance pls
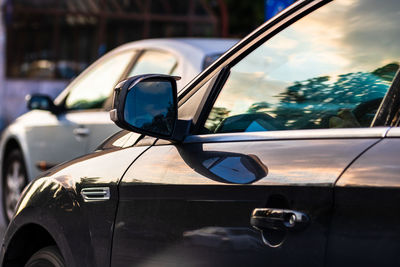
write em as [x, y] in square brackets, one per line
[54, 202]
[54, 205]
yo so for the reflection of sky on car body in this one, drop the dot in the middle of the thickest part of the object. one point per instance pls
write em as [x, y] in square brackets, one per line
[340, 38]
[321, 166]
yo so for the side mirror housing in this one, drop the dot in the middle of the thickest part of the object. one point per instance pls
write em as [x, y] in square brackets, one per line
[41, 102]
[147, 104]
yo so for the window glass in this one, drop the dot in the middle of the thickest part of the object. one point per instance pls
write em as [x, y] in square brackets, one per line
[331, 69]
[154, 62]
[95, 87]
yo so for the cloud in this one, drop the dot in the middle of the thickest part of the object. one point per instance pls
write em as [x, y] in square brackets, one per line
[344, 36]
[365, 32]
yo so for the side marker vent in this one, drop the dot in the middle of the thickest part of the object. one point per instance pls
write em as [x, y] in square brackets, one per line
[95, 194]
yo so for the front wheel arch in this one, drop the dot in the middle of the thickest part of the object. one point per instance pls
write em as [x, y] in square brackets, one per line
[26, 241]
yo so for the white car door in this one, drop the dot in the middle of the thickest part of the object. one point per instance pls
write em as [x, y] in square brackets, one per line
[99, 126]
[71, 134]
[51, 140]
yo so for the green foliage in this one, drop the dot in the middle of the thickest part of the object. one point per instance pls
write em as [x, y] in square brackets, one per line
[217, 114]
[244, 16]
[310, 103]
[346, 100]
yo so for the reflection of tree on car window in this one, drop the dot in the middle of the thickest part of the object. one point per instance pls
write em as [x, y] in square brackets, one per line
[217, 114]
[342, 101]
[310, 103]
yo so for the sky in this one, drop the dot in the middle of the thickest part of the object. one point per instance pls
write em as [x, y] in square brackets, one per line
[341, 37]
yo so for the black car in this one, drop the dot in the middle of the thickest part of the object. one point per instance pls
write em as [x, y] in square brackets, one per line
[285, 151]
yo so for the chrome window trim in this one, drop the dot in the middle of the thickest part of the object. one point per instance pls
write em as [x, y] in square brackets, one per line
[394, 132]
[249, 43]
[348, 133]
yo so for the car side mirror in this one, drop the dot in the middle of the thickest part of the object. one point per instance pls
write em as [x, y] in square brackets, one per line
[41, 102]
[147, 104]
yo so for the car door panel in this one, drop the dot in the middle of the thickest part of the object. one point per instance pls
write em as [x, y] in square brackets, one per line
[181, 204]
[99, 126]
[365, 225]
[50, 126]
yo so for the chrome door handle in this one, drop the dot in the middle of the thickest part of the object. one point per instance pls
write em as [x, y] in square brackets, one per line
[95, 194]
[278, 219]
[81, 131]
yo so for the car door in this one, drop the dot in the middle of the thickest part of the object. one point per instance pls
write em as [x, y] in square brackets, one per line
[58, 138]
[172, 196]
[365, 224]
[253, 182]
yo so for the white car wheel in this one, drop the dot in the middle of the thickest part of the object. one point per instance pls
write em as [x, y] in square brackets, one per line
[14, 181]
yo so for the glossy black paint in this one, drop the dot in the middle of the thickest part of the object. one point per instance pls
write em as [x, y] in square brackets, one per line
[191, 202]
[366, 224]
[82, 230]
[174, 189]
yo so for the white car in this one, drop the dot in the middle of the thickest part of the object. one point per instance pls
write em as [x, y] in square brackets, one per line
[78, 119]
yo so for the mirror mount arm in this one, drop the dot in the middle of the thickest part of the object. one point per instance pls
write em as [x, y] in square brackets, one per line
[50, 106]
[182, 128]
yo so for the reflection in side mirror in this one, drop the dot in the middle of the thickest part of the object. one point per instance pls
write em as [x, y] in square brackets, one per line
[150, 106]
[146, 104]
[41, 102]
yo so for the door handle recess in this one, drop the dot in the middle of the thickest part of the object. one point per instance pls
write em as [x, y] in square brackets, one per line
[278, 219]
[81, 131]
[95, 194]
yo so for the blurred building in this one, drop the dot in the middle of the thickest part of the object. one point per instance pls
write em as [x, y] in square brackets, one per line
[45, 43]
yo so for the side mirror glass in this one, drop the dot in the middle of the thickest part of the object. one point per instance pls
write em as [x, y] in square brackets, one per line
[41, 102]
[146, 104]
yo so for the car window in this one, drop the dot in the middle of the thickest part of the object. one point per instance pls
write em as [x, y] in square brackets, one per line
[330, 69]
[92, 90]
[154, 61]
